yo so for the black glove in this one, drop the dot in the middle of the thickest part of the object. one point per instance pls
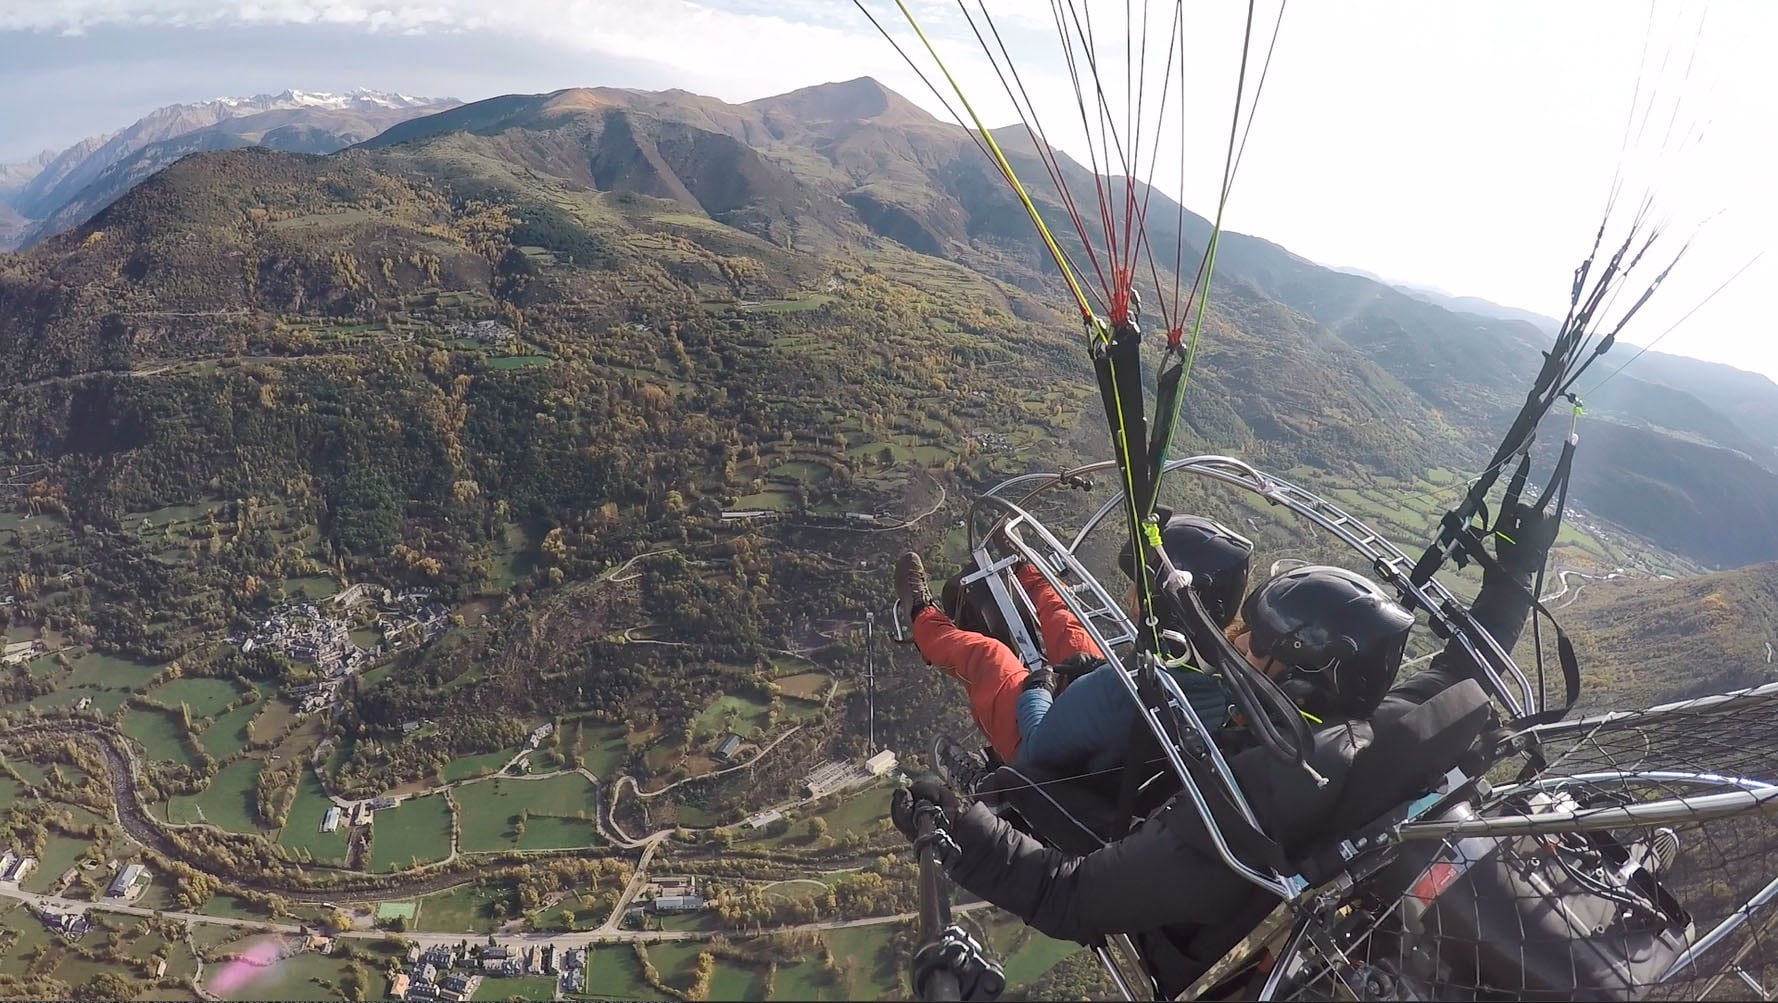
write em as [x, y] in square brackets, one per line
[1041, 679]
[1077, 665]
[905, 804]
[1523, 536]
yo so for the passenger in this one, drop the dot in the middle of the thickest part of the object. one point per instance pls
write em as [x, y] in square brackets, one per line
[1334, 641]
[1042, 718]
[1085, 726]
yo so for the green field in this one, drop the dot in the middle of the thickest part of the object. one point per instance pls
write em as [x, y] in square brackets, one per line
[745, 716]
[161, 734]
[602, 749]
[612, 972]
[398, 910]
[302, 829]
[804, 685]
[520, 361]
[417, 830]
[513, 559]
[226, 737]
[871, 967]
[231, 907]
[205, 697]
[476, 766]
[310, 588]
[227, 802]
[490, 810]
[59, 854]
[807, 980]
[466, 909]
[522, 987]
[39, 776]
[302, 976]
[108, 680]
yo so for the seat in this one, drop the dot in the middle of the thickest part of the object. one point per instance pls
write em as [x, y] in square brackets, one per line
[973, 607]
[1410, 754]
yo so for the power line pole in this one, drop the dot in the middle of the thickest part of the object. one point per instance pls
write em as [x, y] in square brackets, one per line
[870, 674]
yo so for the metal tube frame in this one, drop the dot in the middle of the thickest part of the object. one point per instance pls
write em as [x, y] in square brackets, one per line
[1018, 520]
[1671, 811]
[1386, 559]
[1760, 900]
[1697, 706]
[1443, 608]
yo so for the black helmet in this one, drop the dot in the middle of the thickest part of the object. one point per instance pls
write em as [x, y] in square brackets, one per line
[1340, 635]
[1218, 559]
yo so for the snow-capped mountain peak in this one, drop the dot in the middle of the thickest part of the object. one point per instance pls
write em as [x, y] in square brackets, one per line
[360, 98]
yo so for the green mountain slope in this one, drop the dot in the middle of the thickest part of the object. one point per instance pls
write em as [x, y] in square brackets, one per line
[633, 383]
[1643, 642]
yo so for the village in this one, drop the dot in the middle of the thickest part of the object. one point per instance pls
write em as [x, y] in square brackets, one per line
[453, 974]
[320, 634]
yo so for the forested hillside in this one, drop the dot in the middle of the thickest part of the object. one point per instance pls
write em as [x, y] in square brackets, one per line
[644, 389]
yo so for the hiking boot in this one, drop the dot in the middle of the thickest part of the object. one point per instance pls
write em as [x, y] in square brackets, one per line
[961, 768]
[910, 584]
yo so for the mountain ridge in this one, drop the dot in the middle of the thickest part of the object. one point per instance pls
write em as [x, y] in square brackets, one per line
[75, 182]
[839, 168]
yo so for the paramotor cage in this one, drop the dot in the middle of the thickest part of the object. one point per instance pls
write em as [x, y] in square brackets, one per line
[1312, 935]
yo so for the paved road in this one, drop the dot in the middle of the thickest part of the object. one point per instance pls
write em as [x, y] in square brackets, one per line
[636, 881]
[66, 905]
[429, 939]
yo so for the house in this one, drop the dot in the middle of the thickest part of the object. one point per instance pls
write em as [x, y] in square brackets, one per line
[7, 859]
[457, 987]
[331, 820]
[413, 955]
[398, 985]
[880, 763]
[160, 967]
[549, 959]
[409, 727]
[17, 651]
[678, 903]
[671, 886]
[494, 959]
[542, 732]
[83, 703]
[728, 748]
[427, 972]
[319, 943]
[71, 925]
[439, 957]
[17, 871]
[378, 804]
[127, 882]
[422, 991]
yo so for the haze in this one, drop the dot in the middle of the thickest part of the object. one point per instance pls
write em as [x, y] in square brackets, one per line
[1467, 148]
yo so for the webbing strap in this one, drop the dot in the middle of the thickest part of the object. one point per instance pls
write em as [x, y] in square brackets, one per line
[1564, 647]
[1118, 367]
[1169, 399]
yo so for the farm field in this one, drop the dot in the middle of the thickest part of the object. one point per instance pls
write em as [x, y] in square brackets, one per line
[490, 813]
[416, 831]
[227, 802]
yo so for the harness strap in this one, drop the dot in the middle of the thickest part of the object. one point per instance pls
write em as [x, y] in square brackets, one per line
[1564, 647]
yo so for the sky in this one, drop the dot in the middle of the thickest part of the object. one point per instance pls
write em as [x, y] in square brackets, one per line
[1465, 147]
